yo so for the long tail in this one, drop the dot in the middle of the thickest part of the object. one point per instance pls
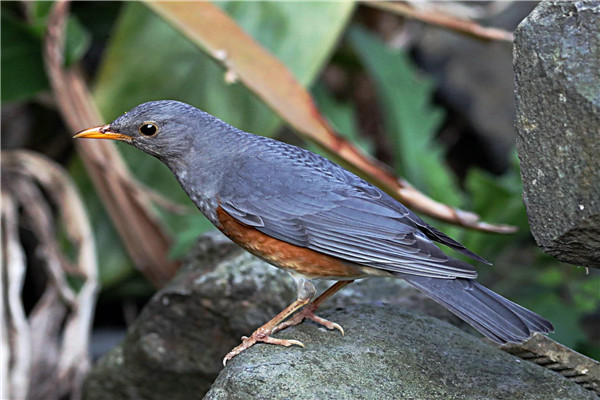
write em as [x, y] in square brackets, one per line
[491, 314]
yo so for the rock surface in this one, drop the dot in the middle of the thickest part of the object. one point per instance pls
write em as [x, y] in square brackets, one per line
[387, 353]
[174, 349]
[557, 69]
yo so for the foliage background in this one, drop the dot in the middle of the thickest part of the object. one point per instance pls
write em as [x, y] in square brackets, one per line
[342, 53]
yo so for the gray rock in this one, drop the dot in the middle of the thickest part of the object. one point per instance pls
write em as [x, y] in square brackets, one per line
[174, 349]
[557, 77]
[387, 353]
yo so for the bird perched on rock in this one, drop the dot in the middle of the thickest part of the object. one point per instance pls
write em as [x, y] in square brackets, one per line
[316, 220]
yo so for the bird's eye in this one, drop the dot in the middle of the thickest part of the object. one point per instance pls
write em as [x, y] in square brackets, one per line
[148, 129]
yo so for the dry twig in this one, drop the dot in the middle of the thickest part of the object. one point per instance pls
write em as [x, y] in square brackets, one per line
[16, 352]
[48, 352]
[444, 20]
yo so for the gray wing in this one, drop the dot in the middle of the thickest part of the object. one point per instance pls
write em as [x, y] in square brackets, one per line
[305, 200]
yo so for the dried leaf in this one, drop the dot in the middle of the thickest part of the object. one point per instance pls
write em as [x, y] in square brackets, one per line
[58, 329]
[16, 351]
[439, 18]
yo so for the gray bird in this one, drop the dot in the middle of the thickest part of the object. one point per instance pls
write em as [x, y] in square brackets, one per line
[303, 213]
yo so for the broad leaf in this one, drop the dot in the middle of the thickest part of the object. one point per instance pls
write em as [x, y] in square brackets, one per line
[23, 73]
[411, 119]
[496, 198]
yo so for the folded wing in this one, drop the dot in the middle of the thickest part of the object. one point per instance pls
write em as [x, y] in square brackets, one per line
[352, 228]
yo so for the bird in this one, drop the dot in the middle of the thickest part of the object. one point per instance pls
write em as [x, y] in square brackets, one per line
[314, 219]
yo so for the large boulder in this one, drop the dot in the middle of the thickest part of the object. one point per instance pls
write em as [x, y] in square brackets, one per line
[557, 77]
[174, 349]
[388, 352]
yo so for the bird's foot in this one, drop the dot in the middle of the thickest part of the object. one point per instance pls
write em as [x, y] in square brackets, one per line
[260, 335]
[308, 312]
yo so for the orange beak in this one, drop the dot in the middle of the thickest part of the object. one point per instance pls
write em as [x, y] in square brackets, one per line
[102, 132]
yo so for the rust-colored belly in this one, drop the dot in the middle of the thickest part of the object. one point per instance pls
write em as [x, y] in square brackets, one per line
[301, 260]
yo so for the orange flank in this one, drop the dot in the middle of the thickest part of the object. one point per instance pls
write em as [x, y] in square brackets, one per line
[300, 260]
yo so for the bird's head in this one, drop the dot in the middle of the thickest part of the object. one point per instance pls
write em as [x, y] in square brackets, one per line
[164, 129]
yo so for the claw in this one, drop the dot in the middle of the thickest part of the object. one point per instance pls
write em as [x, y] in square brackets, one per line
[263, 334]
[326, 323]
[338, 327]
[296, 342]
[259, 336]
[308, 313]
[282, 342]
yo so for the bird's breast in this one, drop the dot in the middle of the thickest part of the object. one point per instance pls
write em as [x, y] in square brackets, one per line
[207, 205]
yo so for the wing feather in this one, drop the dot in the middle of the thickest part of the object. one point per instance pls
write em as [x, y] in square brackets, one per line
[349, 228]
[319, 205]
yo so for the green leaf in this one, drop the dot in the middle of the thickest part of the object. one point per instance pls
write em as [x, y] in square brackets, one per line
[23, 74]
[77, 38]
[410, 118]
[39, 12]
[496, 199]
[77, 41]
[148, 59]
[301, 35]
[342, 116]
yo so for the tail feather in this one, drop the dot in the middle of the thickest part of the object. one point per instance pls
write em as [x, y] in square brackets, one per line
[494, 316]
[440, 237]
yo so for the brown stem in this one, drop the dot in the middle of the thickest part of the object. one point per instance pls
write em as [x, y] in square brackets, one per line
[443, 20]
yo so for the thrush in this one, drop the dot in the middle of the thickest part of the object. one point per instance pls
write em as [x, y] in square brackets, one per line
[307, 215]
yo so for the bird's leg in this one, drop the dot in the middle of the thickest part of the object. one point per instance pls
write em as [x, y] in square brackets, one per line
[306, 291]
[309, 311]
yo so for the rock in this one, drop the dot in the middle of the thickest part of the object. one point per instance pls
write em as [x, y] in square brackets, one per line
[388, 352]
[542, 350]
[557, 77]
[175, 347]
